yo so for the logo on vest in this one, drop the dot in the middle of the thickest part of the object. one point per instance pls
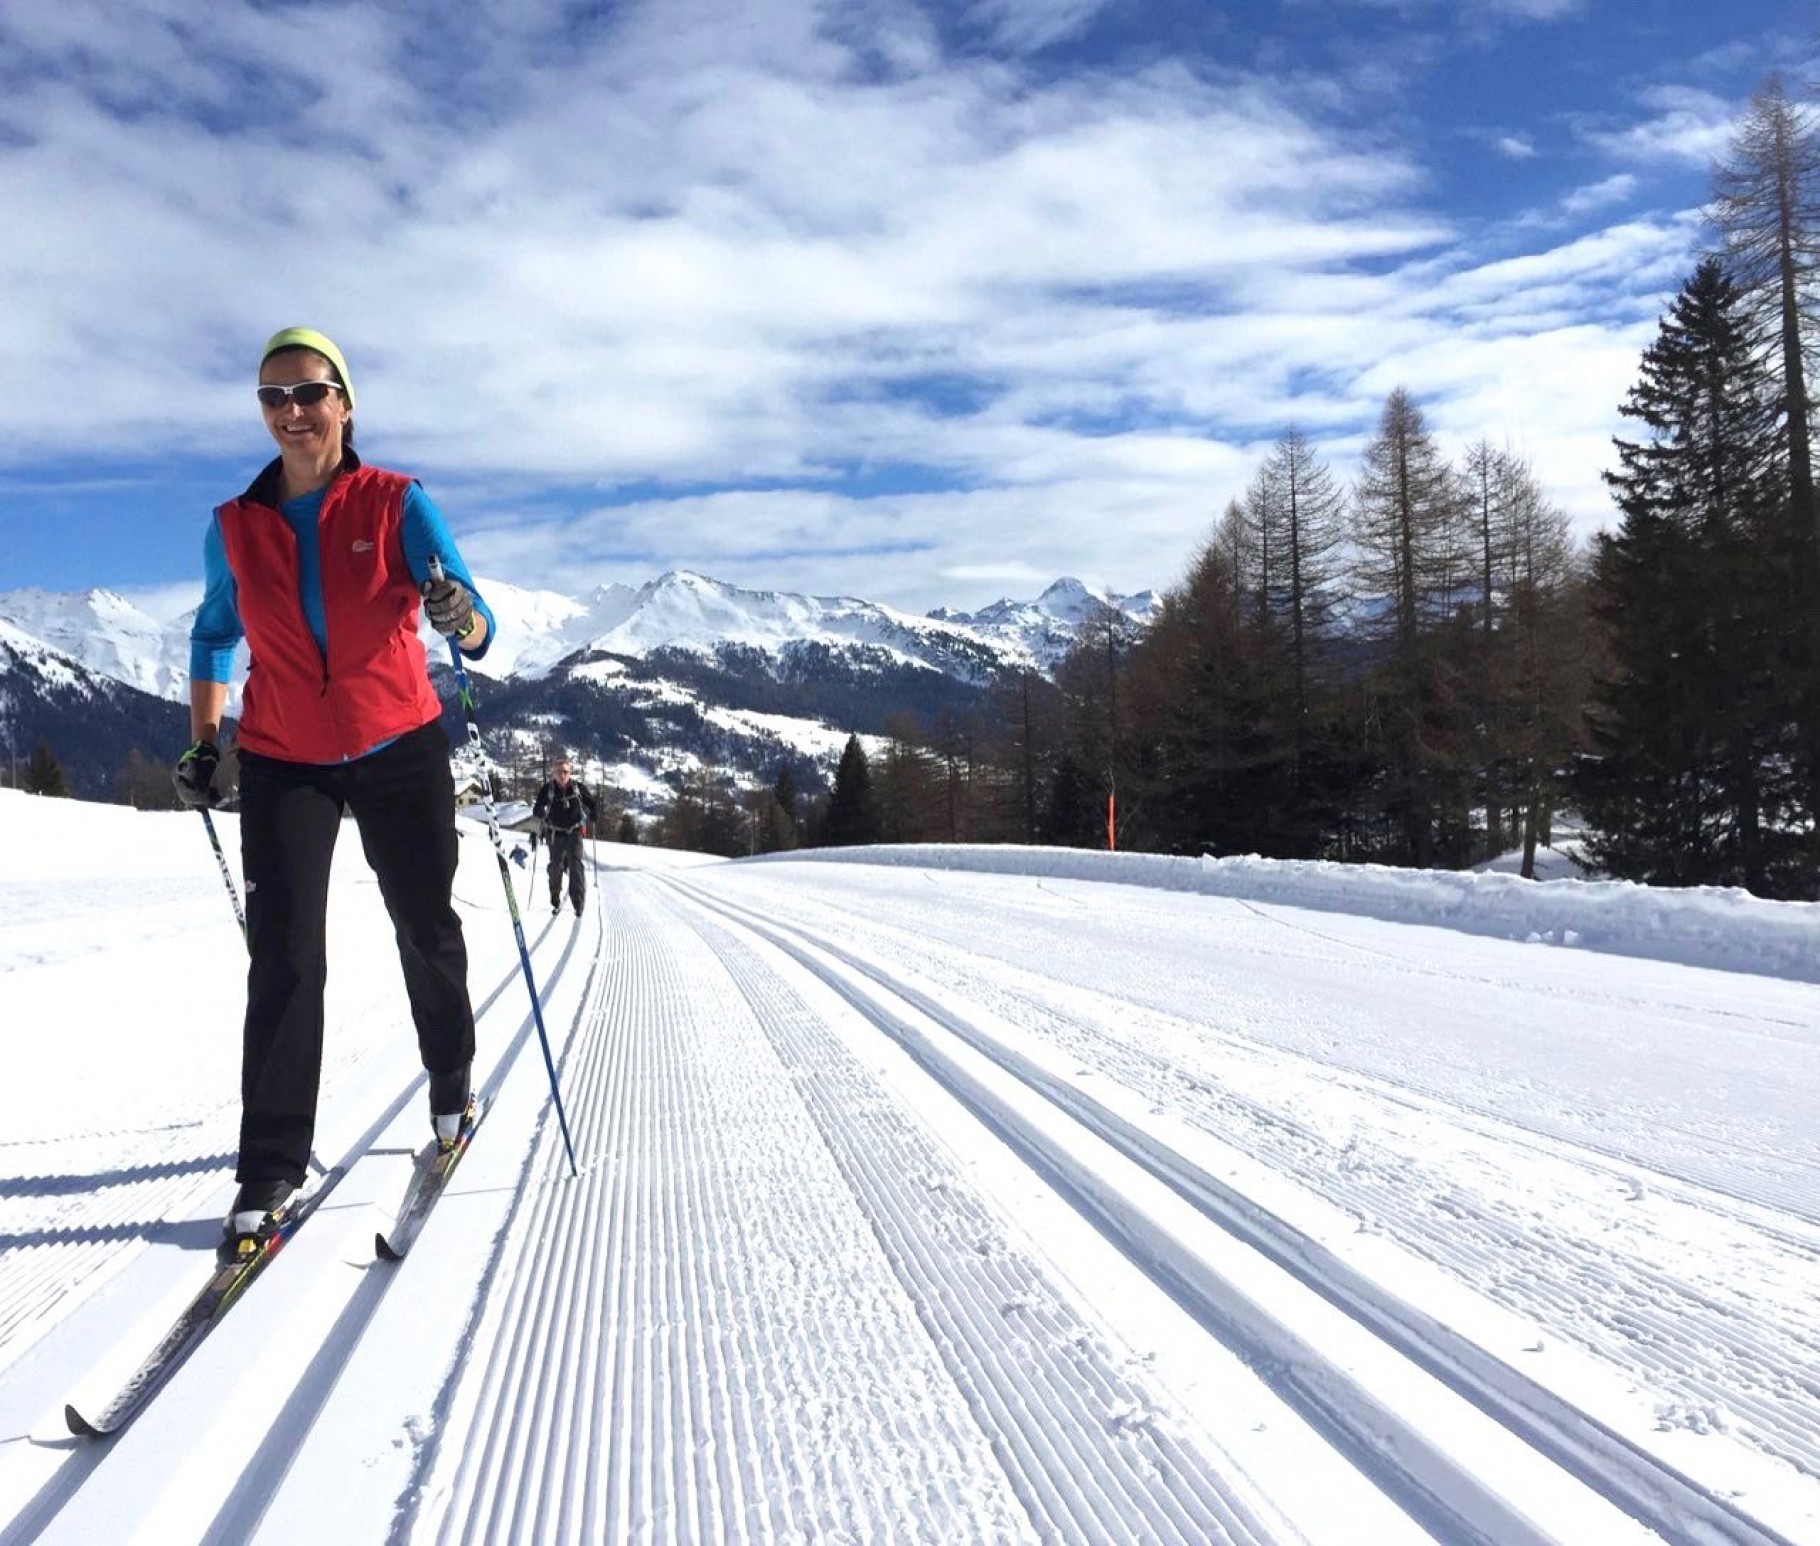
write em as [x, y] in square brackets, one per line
[361, 545]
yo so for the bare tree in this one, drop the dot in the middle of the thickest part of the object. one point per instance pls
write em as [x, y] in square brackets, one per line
[1767, 208]
[1294, 518]
[1411, 577]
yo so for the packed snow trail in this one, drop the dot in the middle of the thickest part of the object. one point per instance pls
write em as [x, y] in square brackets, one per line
[1563, 1250]
[775, 1339]
[926, 1207]
[1379, 1430]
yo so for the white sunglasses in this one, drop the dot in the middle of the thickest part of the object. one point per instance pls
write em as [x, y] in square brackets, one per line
[306, 394]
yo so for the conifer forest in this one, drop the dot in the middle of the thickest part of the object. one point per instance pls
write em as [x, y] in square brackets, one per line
[1424, 667]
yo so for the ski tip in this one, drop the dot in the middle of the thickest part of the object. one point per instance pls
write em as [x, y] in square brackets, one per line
[80, 1425]
[382, 1248]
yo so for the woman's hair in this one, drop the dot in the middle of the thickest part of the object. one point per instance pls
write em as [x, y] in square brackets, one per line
[347, 430]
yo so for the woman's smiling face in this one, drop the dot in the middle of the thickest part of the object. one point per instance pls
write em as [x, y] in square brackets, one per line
[313, 430]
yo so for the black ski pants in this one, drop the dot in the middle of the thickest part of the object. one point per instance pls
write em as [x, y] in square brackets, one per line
[402, 798]
[565, 859]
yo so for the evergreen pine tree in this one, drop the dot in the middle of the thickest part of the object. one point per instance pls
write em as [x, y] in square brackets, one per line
[1692, 778]
[42, 775]
[852, 811]
[783, 790]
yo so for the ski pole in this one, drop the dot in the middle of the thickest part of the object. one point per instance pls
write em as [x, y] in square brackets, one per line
[227, 875]
[466, 694]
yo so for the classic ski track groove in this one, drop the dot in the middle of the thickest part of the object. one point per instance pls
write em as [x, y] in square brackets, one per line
[1649, 1488]
[676, 1408]
[1684, 1342]
[319, 1362]
[965, 1296]
[82, 1253]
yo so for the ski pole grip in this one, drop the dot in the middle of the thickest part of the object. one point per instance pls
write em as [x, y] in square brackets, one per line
[435, 567]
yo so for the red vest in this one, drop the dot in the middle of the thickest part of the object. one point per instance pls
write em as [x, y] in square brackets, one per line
[375, 682]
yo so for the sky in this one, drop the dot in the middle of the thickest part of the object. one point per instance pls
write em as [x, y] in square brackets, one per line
[928, 303]
[1400, 1161]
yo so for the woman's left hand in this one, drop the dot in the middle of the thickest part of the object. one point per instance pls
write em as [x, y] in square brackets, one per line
[450, 606]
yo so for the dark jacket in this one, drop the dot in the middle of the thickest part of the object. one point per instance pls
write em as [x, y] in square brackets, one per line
[562, 810]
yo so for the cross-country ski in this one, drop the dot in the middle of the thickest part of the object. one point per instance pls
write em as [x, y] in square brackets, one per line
[435, 1164]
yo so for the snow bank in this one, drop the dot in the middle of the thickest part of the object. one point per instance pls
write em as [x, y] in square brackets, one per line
[1712, 926]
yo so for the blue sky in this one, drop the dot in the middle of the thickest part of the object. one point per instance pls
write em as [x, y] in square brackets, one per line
[924, 303]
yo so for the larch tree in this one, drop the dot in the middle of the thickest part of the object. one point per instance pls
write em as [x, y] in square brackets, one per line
[1311, 508]
[1410, 580]
[1767, 207]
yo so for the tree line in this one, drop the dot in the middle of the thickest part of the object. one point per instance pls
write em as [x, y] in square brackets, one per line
[1424, 668]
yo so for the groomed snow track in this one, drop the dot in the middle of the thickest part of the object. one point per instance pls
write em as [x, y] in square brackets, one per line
[602, 1425]
[780, 1304]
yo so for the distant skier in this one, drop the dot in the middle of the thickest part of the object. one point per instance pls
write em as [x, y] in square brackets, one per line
[322, 565]
[566, 807]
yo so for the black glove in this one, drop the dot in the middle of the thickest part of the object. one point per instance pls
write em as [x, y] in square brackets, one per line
[450, 606]
[194, 775]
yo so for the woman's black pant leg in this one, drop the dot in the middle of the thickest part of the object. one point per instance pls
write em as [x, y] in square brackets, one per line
[403, 800]
[289, 819]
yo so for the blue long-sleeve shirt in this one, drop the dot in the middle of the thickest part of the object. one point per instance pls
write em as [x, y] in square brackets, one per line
[217, 630]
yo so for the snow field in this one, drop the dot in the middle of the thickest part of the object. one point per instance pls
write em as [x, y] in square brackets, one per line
[927, 1204]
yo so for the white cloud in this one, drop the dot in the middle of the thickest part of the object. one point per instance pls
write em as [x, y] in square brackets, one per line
[1027, 25]
[1516, 146]
[1685, 126]
[704, 252]
[1616, 189]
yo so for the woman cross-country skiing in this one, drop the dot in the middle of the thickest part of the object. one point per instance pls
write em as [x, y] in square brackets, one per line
[322, 565]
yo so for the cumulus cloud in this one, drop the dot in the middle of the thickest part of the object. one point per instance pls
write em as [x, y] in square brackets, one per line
[787, 300]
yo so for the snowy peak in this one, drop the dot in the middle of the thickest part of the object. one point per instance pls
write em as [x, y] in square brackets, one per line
[681, 610]
[689, 611]
[106, 633]
[1047, 627]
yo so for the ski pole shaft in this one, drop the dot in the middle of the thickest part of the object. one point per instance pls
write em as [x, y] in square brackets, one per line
[466, 694]
[227, 875]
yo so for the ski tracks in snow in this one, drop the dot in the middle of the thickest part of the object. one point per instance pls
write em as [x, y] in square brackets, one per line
[786, 1300]
[1498, 1496]
[770, 1311]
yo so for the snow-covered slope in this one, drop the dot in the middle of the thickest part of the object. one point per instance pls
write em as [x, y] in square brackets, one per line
[538, 629]
[925, 1203]
[106, 633]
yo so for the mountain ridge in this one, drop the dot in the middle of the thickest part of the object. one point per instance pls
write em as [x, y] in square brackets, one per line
[679, 609]
[649, 684]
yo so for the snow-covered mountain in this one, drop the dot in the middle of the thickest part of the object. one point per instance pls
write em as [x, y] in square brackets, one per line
[680, 610]
[682, 670]
[92, 721]
[108, 634]
[1047, 627]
